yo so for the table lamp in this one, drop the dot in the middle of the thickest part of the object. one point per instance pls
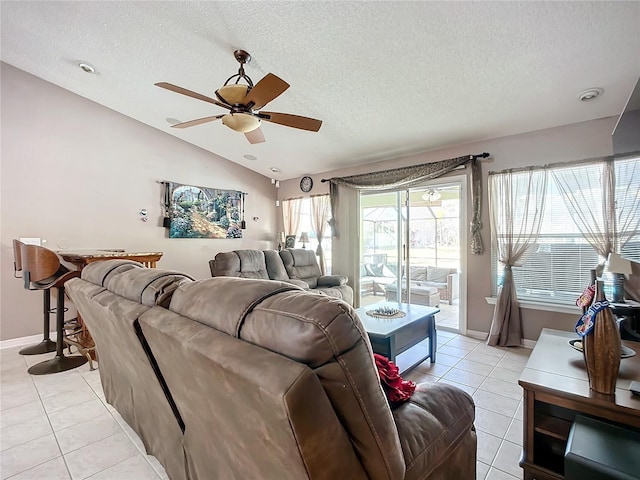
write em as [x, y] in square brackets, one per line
[304, 238]
[619, 267]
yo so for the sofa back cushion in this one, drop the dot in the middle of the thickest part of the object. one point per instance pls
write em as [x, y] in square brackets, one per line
[100, 272]
[239, 263]
[439, 275]
[275, 267]
[301, 264]
[418, 274]
[148, 286]
[320, 332]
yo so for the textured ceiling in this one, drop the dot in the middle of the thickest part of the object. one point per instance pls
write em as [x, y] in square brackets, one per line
[387, 78]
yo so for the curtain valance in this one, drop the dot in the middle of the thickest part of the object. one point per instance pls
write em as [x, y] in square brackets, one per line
[412, 176]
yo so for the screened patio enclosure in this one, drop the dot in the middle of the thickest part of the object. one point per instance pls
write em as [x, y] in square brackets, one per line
[434, 228]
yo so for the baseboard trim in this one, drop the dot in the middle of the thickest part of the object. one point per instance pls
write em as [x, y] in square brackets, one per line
[18, 342]
[483, 336]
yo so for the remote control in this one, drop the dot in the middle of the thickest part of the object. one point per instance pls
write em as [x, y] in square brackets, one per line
[635, 388]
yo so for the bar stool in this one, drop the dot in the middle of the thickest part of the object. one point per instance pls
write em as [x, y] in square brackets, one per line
[43, 271]
[46, 345]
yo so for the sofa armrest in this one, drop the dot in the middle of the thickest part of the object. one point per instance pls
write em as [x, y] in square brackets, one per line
[436, 426]
[298, 283]
[332, 281]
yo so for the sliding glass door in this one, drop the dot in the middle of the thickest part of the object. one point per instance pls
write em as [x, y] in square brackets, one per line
[411, 248]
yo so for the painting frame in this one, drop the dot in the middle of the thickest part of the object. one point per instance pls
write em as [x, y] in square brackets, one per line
[290, 241]
[204, 212]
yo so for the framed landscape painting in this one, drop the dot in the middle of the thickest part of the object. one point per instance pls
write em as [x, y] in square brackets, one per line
[201, 212]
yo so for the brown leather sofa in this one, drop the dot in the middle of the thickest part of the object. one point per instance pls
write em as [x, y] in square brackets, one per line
[292, 265]
[248, 379]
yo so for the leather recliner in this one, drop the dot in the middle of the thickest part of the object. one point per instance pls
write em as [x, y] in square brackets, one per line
[273, 382]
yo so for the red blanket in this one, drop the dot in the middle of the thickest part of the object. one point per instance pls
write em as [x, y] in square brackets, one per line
[397, 389]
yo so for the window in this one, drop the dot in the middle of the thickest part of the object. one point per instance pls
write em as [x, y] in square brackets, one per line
[557, 268]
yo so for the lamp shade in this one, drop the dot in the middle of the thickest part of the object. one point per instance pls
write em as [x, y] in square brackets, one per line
[241, 122]
[233, 94]
[304, 237]
[617, 264]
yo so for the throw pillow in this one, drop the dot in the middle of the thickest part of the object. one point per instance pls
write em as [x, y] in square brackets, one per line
[369, 268]
[387, 272]
[397, 390]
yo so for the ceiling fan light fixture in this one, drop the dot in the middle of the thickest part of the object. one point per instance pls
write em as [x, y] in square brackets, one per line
[241, 122]
[233, 94]
[431, 195]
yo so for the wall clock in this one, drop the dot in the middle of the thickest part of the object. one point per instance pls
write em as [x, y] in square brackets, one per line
[306, 184]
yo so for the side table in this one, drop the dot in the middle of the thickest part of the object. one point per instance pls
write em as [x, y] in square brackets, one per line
[556, 389]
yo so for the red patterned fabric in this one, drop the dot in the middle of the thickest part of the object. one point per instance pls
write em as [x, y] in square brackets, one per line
[397, 389]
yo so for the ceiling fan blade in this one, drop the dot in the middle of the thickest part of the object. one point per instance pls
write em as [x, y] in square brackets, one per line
[265, 90]
[255, 136]
[198, 121]
[295, 121]
[189, 93]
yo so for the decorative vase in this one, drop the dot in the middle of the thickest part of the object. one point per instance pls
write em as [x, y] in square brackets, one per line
[602, 349]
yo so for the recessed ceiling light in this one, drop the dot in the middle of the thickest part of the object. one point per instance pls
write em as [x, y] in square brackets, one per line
[87, 68]
[173, 121]
[250, 157]
[274, 169]
[590, 94]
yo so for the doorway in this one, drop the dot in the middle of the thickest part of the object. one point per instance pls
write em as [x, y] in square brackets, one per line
[420, 231]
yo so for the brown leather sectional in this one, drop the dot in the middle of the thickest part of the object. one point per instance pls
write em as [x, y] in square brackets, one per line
[292, 265]
[232, 378]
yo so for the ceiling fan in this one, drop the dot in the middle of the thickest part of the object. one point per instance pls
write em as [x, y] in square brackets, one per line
[243, 101]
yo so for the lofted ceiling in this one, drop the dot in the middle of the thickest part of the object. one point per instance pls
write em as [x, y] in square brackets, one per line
[388, 79]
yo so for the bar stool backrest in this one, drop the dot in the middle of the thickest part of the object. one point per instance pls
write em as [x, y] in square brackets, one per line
[17, 257]
[40, 263]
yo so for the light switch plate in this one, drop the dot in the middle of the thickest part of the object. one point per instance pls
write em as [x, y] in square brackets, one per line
[31, 240]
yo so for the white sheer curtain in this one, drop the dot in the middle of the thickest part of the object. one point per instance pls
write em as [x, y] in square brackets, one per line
[603, 200]
[516, 206]
[588, 194]
[291, 215]
[319, 217]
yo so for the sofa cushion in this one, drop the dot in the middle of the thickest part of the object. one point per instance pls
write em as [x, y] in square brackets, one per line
[99, 273]
[435, 274]
[418, 274]
[240, 263]
[430, 425]
[229, 297]
[148, 286]
[275, 267]
[301, 264]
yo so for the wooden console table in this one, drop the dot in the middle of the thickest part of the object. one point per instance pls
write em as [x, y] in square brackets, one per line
[82, 339]
[556, 388]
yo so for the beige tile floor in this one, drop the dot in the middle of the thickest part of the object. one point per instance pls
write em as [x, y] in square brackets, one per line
[59, 427]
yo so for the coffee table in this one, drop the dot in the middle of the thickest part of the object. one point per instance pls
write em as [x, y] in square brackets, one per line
[401, 339]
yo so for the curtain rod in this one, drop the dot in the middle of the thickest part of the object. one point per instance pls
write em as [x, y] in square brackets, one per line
[471, 157]
[607, 158]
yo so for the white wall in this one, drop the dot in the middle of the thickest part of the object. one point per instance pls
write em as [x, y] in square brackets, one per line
[570, 142]
[76, 174]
